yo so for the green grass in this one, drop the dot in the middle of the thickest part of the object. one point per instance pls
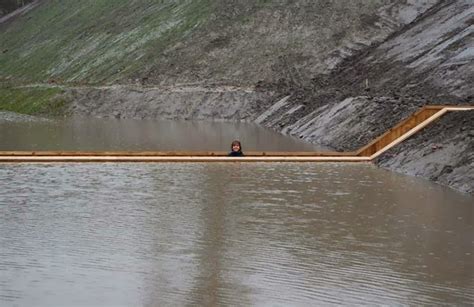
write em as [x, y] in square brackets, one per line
[87, 42]
[94, 41]
[46, 101]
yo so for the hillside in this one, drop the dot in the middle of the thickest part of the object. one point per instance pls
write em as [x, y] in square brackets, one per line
[169, 42]
[337, 73]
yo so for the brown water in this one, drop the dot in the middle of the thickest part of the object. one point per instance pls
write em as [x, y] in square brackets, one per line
[230, 234]
[242, 234]
[128, 134]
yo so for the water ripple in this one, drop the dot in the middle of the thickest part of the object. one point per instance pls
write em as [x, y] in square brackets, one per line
[230, 234]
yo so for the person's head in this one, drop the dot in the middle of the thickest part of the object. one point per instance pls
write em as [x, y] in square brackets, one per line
[236, 146]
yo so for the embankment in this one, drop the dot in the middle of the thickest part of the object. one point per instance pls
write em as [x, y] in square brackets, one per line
[178, 102]
[335, 73]
[443, 152]
[429, 61]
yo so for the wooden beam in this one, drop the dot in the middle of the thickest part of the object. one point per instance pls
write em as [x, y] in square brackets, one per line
[16, 159]
[174, 153]
[398, 133]
[417, 128]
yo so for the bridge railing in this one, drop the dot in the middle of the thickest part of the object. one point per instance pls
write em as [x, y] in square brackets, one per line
[398, 130]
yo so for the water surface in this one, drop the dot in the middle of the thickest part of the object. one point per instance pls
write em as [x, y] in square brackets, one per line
[95, 134]
[230, 234]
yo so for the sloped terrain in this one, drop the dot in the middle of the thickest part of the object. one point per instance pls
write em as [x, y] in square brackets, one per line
[191, 102]
[444, 152]
[427, 62]
[93, 41]
[337, 73]
[199, 41]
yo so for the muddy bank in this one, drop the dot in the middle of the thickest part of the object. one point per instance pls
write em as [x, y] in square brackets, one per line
[443, 152]
[351, 123]
[6, 116]
[190, 102]
[429, 61]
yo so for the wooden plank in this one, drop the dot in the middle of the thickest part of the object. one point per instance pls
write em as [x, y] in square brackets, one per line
[50, 159]
[395, 132]
[408, 134]
[173, 153]
[407, 124]
[420, 126]
[402, 129]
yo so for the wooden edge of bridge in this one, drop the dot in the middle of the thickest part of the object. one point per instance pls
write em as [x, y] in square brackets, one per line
[48, 159]
[371, 147]
[407, 128]
[209, 154]
[375, 148]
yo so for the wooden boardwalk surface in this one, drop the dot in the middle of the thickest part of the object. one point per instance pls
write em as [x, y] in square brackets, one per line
[392, 137]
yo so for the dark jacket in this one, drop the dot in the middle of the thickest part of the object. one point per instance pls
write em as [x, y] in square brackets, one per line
[236, 154]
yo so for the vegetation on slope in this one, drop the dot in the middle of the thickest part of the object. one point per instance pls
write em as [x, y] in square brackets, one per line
[92, 41]
[186, 41]
[31, 101]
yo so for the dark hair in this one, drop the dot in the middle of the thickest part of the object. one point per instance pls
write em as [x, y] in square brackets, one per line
[236, 143]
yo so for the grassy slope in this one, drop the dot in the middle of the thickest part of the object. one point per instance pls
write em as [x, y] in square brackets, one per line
[169, 41]
[32, 100]
[185, 41]
[94, 40]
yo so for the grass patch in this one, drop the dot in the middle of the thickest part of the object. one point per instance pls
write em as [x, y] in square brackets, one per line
[33, 101]
[95, 41]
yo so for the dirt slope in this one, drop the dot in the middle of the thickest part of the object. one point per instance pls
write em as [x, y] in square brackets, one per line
[444, 152]
[430, 61]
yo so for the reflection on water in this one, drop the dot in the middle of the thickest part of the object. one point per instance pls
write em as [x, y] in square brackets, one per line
[128, 134]
[230, 234]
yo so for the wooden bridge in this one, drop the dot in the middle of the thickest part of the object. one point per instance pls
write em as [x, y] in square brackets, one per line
[389, 139]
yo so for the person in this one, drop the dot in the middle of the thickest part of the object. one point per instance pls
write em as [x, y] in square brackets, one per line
[236, 149]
